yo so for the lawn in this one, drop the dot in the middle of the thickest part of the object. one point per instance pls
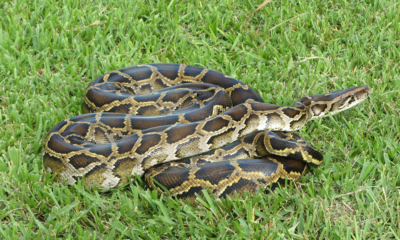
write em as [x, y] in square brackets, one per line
[50, 50]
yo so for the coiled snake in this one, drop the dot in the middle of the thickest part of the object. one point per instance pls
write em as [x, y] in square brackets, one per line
[147, 117]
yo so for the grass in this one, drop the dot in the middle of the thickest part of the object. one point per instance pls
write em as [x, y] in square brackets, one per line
[50, 50]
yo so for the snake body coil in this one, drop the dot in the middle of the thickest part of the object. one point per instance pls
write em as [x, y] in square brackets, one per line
[189, 128]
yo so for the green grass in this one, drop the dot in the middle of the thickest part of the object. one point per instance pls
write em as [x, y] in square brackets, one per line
[50, 50]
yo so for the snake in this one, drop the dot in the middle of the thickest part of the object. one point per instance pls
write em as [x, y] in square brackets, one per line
[186, 129]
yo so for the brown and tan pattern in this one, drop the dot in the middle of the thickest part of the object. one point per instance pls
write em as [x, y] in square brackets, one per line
[188, 128]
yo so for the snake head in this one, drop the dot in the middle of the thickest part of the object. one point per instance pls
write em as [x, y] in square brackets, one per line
[318, 106]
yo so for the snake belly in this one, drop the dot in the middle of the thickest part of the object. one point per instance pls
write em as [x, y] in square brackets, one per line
[186, 129]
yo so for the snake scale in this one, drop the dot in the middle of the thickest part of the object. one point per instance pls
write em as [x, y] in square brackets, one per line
[188, 128]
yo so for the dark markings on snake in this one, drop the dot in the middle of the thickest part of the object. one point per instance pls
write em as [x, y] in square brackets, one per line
[215, 172]
[216, 124]
[147, 142]
[82, 160]
[103, 150]
[122, 108]
[57, 144]
[175, 134]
